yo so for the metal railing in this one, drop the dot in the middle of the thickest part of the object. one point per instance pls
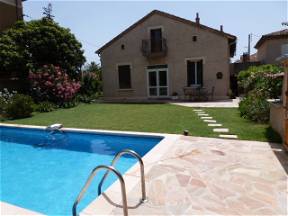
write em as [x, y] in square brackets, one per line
[138, 157]
[89, 180]
[120, 177]
[154, 48]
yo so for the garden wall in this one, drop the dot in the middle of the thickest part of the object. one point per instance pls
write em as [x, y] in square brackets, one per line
[277, 114]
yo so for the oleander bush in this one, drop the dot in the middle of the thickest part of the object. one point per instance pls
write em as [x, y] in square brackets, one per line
[261, 78]
[51, 83]
[259, 84]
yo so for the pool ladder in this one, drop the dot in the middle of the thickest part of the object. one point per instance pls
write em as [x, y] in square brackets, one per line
[109, 169]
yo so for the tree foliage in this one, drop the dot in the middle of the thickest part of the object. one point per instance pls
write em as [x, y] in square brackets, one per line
[260, 78]
[91, 82]
[30, 45]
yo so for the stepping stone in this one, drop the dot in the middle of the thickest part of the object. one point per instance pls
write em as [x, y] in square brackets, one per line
[198, 110]
[214, 125]
[210, 120]
[203, 114]
[229, 136]
[221, 130]
[206, 117]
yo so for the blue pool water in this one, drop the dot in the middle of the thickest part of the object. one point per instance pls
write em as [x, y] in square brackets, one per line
[45, 173]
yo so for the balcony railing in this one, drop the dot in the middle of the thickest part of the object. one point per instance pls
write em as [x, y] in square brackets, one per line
[154, 48]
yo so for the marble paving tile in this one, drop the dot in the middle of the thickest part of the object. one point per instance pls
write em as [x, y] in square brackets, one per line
[206, 176]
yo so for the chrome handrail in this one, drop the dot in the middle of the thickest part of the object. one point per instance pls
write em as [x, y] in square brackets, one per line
[116, 158]
[89, 180]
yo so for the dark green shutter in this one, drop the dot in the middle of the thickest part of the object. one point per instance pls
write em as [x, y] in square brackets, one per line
[200, 72]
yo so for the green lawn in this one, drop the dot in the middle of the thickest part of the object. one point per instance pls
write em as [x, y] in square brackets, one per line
[163, 118]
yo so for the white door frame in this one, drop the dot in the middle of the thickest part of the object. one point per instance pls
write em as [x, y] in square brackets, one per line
[157, 82]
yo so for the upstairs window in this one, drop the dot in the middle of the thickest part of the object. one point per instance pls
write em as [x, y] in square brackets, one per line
[156, 40]
[124, 73]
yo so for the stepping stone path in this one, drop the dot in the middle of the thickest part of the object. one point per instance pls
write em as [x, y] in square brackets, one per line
[213, 123]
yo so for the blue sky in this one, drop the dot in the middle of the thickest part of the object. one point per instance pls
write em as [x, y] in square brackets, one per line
[96, 22]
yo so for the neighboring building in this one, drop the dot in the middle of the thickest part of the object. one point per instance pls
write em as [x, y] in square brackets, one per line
[10, 12]
[161, 54]
[270, 46]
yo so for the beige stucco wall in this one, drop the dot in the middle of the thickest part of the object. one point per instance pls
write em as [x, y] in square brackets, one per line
[213, 48]
[270, 50]
[9, 14]
[277, 114]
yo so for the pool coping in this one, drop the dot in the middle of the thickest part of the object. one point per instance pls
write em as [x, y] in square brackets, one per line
[131, 177]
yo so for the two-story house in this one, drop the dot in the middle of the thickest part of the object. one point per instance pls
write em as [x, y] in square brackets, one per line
[161, 54]
[10, 12]
[270, 46]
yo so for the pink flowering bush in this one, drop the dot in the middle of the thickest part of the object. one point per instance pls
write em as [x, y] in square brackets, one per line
[51, 83]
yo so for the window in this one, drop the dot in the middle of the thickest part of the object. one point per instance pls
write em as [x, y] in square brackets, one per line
[122, 46]
[195, 73]
[156, 40]
[124, 73]
[194, 38]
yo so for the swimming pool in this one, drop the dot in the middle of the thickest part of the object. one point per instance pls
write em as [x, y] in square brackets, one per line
[45, 172]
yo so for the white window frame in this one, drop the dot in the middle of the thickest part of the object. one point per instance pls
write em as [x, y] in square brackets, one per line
[157, 82]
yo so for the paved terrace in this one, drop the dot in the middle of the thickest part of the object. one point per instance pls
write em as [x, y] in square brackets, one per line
[200, 176]
[232, 103]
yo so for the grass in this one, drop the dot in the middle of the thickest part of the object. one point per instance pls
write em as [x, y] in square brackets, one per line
[163, 118]
[245, 129]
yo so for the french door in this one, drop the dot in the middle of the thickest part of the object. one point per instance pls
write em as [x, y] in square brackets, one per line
[158, 82]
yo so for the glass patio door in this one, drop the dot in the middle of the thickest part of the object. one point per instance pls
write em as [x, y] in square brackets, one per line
[158, 82]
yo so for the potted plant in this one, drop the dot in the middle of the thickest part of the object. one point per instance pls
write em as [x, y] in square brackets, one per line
[174, 96]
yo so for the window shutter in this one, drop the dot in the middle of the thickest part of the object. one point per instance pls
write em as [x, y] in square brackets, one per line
[200, 72]
[190, 73]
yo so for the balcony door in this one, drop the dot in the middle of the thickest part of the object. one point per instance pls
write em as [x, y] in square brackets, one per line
[156, 40]
[157, 82]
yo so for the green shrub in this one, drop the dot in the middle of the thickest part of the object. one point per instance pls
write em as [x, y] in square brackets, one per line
[255, 107]
[21, 106]
[45, 106]
[261, 78]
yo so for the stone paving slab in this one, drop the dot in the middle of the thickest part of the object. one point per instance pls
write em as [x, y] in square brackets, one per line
[214, 125]
[229, 136]
[206, 117]
[221, 130]
[203, 114]
[210, 121]
[207, 176]
[9, 209]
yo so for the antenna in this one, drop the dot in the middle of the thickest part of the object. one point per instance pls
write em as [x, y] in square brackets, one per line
[249, 43]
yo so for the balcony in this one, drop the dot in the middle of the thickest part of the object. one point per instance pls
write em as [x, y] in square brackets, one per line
[154, 48]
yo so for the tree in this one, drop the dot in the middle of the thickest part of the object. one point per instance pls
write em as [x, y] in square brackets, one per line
[30, 45]
[91, 79]
[48, 12]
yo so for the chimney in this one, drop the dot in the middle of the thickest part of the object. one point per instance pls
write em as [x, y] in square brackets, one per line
[197, 18]
[221, 28]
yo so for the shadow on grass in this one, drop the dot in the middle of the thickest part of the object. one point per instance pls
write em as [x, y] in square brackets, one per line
[272, 136]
